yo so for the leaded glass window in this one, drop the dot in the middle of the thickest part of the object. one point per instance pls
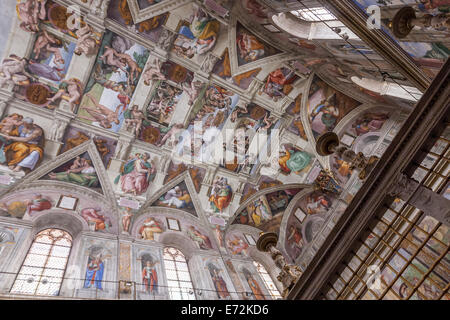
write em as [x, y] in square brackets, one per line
[268, 282]
[178, 276]
[43, 269]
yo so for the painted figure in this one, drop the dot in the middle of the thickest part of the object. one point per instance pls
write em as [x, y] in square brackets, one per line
[219, 283]
[133, 120]
[221, 194]
[101, 114]
[192, 90]
[94, 272]
[37, 204]
[136, 175]
[324, 117]
[278, 83]
[219, 235]
[164, 102]
[254, 285]
[278, 200]
[171, 134]
[126, 219]
[12, 71]
[295, 239]
[9, 123]
[259, 212]
[292, 160]
[86, 41]
[254, 8]
[149, 276]
[111, 58]
[250, 48]
[202, 240]
[370, 122]
[149, 228]
[237, 245]
[176, 198]
[26, 147]
[153, 72]
[69, 90]
[30, 12]
[81, 172]
[46, 42]
[200, 37]
[95, 220]
[318, 203]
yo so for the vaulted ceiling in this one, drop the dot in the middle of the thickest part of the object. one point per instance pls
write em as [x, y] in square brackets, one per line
[230, 99]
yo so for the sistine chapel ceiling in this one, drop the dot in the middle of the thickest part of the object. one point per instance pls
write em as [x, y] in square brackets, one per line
[204, 111]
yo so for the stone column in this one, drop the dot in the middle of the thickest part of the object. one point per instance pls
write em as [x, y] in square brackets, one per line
[422, 198]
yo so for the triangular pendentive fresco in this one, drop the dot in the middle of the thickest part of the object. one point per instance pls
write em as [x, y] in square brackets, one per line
[197, 174]
[263, 183]
[223, 70]
[250, 48]
[79, 171]
[265, 212]
[327, 107]
[105, 146]
[296, 126]
[177, 198]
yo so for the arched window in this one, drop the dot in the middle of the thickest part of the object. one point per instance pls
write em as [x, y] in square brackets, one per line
[178, 277]
[268, 282]
[44, 266]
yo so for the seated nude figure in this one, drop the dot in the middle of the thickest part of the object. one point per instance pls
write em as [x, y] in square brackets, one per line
[12, 71]
[110, 57]
[73, 90]
[30, 12]
[86, 42]
[10, 122]
[136, 120]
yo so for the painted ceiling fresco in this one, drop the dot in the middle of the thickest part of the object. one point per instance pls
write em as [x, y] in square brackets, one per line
[204, 110]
